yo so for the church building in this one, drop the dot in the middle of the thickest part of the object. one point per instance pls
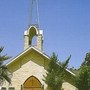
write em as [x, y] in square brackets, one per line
[29, 67]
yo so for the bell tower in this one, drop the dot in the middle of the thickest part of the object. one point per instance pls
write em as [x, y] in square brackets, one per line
[33, 30]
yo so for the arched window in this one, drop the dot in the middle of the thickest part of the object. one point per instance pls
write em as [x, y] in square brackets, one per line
[32, 36]
[32, 83]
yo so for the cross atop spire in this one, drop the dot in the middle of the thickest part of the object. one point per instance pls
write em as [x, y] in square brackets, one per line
[34, 14]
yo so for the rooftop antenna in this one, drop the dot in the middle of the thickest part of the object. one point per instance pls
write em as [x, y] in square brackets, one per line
[34, 3]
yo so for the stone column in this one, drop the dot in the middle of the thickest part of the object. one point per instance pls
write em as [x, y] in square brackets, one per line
[26, 40]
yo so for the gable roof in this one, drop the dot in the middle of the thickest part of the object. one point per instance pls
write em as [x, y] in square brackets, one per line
[38, 51]
[28, 50]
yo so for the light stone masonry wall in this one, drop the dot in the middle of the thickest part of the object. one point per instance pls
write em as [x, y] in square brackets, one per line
[32, 64]
[68, 86]
[39, 42]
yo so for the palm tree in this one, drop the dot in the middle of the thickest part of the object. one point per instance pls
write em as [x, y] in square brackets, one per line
[4, 73]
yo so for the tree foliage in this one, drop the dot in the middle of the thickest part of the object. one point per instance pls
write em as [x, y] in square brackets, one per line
[87, 60]
[83, 79]
[55, 73]
[4, 73]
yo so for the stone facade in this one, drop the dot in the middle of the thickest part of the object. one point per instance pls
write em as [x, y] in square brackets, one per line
[68, 86]
[27, 64]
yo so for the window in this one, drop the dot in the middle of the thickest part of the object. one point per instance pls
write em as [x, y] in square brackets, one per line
[11, 88]
[3, 88]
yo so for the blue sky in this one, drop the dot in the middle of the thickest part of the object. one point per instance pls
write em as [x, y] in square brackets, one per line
[66, 26]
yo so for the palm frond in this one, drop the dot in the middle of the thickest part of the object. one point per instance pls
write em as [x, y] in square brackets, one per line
[4, 57]
[4, 73]
[1, 49]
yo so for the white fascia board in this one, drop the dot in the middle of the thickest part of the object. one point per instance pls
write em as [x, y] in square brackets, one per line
[41, 53]
[70, 72]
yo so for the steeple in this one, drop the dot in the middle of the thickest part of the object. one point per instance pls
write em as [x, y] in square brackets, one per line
[33, 30]
[34, 13]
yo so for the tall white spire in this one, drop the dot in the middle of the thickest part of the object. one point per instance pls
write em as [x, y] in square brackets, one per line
[34, 13]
